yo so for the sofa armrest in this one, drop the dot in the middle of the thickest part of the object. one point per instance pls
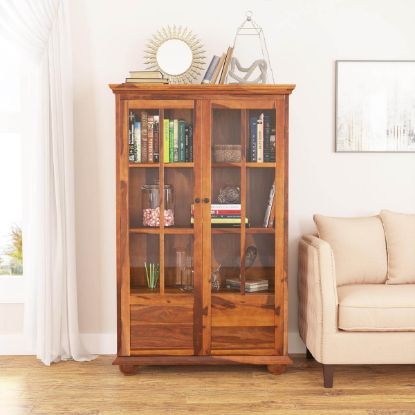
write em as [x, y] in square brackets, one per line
[317, 293]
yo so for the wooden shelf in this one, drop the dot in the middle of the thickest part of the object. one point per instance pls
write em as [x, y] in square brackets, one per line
[165, 165]
[260, 230]
[166, 231]
[251, 164]
[188, 165]
[247, 230]
[167, 290]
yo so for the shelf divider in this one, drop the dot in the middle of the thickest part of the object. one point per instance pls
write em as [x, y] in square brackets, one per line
[244, 135]
[161, 190]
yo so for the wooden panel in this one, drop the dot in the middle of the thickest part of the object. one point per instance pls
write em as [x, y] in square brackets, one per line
[162, 300]
[162, 352]
[161, 336]
[242, 104]
[162, 104]
[228, 338]
[156, 314]
[236, 310]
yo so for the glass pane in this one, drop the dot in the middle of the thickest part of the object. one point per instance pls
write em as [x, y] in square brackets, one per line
[11, 260]
[260, 200]
[260, 146]
[226, 136]
[226, 259]
[178, 135]
[145, 262]
[259, 263]
[178, 263]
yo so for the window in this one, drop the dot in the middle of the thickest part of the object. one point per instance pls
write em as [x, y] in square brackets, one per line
[11, 163]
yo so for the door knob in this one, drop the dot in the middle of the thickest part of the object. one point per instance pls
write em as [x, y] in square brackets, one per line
[197, 200]
[206, 200]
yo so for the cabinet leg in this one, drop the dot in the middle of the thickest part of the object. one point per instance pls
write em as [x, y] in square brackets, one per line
[328, 372]
[308, 355]
[128, 370]
[276, 369]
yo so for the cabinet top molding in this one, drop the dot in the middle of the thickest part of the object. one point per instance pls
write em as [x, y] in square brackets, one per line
[233, 89]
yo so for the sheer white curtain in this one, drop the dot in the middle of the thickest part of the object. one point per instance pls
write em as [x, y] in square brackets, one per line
[39, 28]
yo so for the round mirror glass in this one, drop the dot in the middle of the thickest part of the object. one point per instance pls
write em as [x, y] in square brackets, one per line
[174, 56]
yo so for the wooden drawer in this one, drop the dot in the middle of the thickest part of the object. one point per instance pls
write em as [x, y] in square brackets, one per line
[244, 323]
[161, 323]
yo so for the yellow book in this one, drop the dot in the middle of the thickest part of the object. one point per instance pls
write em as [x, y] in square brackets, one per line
[166, 140]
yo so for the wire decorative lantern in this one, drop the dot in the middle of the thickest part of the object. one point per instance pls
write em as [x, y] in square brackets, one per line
[250, 62]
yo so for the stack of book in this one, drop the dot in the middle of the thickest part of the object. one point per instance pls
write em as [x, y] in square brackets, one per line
[218, 68]
[250, 285]
[224, 216]
[144, 139]
[178, 141]
[146, 77]
[262, 138]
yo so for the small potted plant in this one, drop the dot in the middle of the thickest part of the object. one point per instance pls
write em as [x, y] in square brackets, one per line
[152, 275]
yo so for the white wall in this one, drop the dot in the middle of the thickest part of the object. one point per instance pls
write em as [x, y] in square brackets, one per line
[304, 39]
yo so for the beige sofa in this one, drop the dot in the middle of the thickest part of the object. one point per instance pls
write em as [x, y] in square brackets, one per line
[356, 287]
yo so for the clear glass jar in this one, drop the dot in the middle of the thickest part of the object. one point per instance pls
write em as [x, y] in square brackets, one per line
[150, 196]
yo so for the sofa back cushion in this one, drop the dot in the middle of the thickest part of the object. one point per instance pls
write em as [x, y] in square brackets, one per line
[400, 242]
[359, 248]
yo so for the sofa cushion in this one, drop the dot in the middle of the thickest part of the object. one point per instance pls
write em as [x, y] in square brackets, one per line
[400, 242]
[377, 307]
[359, 248]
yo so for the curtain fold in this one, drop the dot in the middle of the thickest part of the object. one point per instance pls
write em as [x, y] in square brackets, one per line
[40, 29]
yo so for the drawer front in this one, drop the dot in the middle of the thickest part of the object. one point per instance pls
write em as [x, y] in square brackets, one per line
[243, 324]
[162, 327]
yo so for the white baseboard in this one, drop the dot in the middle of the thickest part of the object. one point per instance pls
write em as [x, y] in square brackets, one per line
[105, 343]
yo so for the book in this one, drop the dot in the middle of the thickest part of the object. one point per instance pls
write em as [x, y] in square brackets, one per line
[226, 65]
[131, 144]
[166, 140]
[181, 133]
[150, 138]
[210, 70]
[190, 131]
[268, 209]
[260, 139]
[267, 137]
[228, 206]
[145, 81]
[221, 212]
[250, 285]
[252, 153]
[175, 140]
[273, 142]
[146, 74]
[223, 221]
[144, 136]
[156, 139]
[272, 216]
[171, 141]
[219, 66]
[186, 144]
[137, 141]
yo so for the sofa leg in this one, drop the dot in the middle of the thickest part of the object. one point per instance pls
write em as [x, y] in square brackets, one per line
[328, 371]
[308, 355]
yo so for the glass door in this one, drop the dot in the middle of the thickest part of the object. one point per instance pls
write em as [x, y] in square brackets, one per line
[242, 217]
[162, 181]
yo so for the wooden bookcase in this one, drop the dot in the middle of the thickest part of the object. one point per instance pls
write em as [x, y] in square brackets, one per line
[171, 326]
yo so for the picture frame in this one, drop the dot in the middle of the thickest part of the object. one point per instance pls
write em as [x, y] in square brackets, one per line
[375, 106]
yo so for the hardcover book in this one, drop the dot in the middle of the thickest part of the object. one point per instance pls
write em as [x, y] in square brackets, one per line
[190, 128]
[146, 74]
[137, 141]
[260, 139]
[171, 141]
[144, 136]
[210, 70]
[267, 137]
[252, 153]
[166, 140]
[150, 138]
[156, 139]
[182, 152]
[175, 140]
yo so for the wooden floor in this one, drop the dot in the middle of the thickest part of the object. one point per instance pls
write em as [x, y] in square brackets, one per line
[28, 387]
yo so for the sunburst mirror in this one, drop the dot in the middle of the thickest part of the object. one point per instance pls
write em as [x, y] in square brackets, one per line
[177, 53]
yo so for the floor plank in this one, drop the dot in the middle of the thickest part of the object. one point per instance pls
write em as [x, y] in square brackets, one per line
[98, 388]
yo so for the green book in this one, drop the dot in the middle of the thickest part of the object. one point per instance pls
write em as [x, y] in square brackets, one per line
[182, 153]
[171, 141]
[176, 140]
[166, 140]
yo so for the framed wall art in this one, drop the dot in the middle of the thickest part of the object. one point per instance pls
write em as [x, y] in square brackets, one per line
[375, 106]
